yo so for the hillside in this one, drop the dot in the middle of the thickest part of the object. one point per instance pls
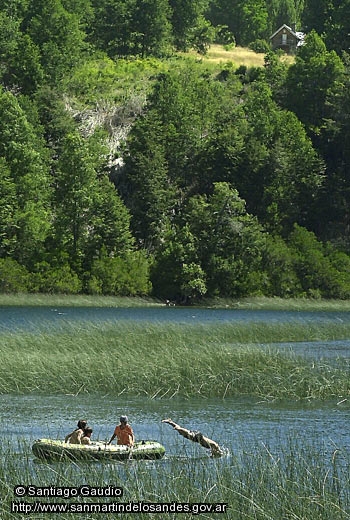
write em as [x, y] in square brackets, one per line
[131, 167]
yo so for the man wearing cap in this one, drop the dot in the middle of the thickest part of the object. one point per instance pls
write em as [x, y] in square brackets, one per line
[124, 433]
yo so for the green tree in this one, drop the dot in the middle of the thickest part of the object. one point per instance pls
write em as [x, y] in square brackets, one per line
[246, 19]
[8, 210]
[228, 240]
[321, 271]
[54, 117]
[176, 273]
[82, 8]
[14, 277]
[285, 12]
[316, 14]
[127, 276]
[27, 169]
[214, 248]
[144, 185]
[151, 29]
[337, 34]
[186, 16]
[295, 175]
[264, 152]
[89, 216]
[162, 149]
[75, 187]
[276, 76]
[111, 29]
[132, 27]
[278, 262]
[58, 34]
[110, 223]
[334, 203]
[311, 80]
[54, 279]
[20, 67]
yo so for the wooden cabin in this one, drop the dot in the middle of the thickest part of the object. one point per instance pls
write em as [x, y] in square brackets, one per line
[287, 39]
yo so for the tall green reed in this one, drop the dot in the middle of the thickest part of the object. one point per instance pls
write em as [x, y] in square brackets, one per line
[167, 360]
[292, 482]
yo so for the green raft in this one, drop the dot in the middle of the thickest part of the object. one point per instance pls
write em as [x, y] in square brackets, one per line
[59, 450]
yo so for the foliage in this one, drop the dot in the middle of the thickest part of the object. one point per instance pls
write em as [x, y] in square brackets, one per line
[24, 183]
[127, 168]
[127, 276]
[247, 20]
[13, 276]
[214, 251]
[260, 46]
[311, 80]
[58, 35]
[143, 27]
[322, 271]
[55, 280]
[89, 214]
[186, 16]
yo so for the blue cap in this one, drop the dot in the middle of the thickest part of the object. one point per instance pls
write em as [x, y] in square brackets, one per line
[123, 418]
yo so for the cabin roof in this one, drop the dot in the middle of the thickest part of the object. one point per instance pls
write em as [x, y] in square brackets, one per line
[284, 26]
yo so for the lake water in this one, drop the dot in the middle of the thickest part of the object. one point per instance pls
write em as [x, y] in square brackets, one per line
[44, 318]
[231, 422]
[234, 424]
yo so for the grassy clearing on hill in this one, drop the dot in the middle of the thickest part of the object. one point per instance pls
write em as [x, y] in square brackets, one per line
[218, 55]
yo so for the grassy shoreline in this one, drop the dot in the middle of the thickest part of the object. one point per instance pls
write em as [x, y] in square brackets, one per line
[66, 300]
[167, 360]
[257, 303]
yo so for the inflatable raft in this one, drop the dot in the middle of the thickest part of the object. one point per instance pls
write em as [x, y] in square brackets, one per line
[57, 450]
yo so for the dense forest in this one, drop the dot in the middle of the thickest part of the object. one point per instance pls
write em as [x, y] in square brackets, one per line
[130, 167]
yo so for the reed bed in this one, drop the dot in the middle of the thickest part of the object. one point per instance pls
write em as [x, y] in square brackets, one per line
[292, 482]
[261, 303]
[168, 360]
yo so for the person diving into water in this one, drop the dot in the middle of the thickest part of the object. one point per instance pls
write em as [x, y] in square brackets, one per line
[196, 436]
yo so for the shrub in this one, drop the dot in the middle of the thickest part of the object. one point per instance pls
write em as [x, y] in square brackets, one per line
[14, 277]
[322, 270]
[128, 276]
[59, 280]
[224, 36]
[260, 46]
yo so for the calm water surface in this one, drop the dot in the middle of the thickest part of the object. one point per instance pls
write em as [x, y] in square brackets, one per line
[46, 318]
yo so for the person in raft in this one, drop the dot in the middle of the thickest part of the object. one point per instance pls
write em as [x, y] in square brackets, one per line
[124, 433]
[195, 436]
[86, 439]
[76, 435]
